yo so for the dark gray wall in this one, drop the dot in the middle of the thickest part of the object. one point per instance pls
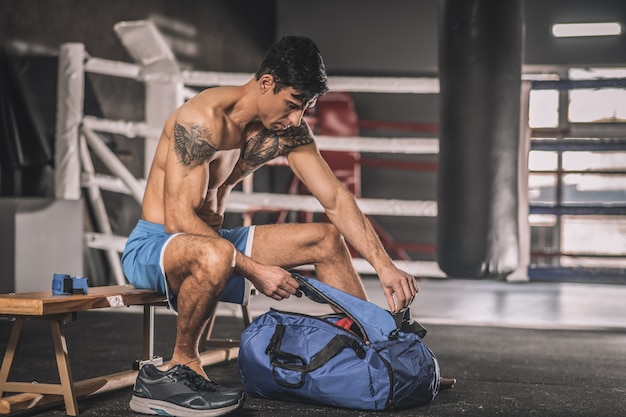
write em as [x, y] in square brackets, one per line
[367, 37]
[231, 36]
[228, 36]
[400, 36]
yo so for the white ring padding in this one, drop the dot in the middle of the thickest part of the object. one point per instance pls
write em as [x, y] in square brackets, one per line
[121, 127]
[214, 78]
[417, 268]
[378, 145]
[108, 182]
[328, 143]
[406, 85]
[105, 241]
[409, 85]
[112, 68]
[239, 202]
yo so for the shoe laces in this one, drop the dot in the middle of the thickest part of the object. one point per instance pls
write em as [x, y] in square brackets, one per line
[196, 381]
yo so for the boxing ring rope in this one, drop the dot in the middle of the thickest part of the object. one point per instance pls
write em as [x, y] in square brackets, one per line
[404, 85]
[326, 143]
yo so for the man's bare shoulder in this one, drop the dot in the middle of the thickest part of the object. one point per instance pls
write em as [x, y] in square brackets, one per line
[206, 108]
[197, 127]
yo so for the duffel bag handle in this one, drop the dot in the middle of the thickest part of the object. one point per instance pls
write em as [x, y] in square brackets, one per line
[291, 362]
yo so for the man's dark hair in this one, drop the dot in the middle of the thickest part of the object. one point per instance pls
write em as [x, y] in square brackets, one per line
[295, 61]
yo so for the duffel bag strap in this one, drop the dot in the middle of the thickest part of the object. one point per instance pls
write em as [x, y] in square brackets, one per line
[292, 362]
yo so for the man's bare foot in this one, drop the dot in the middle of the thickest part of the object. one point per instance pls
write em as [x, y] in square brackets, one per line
[446, 383]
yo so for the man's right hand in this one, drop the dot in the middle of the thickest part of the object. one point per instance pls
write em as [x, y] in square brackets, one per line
[274, 282]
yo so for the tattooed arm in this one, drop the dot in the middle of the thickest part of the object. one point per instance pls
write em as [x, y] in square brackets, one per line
[192, 144]
[187, 177]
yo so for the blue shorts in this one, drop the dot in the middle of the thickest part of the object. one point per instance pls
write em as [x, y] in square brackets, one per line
[142, 260]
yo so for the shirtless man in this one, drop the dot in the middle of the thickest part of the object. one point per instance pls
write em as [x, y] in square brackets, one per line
[208, 145]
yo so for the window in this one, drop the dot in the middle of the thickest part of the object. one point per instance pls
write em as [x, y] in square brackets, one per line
[570, 172]
[544, 108]
[597, 105]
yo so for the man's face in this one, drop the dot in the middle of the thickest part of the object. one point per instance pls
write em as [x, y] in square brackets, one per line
[279, 111]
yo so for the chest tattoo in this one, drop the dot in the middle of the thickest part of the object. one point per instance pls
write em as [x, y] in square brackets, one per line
[192, 144]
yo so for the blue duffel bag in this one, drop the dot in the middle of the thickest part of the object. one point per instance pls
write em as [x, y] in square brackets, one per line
[378, 363]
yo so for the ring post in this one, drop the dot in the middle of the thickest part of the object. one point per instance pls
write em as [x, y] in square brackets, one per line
[521, 273]
[70, 91]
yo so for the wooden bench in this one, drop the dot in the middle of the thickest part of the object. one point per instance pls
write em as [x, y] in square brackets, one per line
[59, 309]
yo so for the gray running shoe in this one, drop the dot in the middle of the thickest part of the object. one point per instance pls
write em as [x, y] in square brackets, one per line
[181, 392]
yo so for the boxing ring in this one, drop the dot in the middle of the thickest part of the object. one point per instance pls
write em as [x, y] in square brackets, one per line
[167, 87]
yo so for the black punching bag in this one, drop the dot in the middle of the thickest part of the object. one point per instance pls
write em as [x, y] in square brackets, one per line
[480, 61]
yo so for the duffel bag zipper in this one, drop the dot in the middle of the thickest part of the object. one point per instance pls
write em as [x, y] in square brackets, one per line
[334, 304]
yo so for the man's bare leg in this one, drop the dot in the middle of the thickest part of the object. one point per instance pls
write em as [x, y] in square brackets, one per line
[319, 244]
[197, 270]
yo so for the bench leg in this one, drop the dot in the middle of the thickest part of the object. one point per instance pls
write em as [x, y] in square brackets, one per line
[148, 340]
[65, 388]
[247, 315]
[7, 362]
[65, 372]
[206, 341]
[148, 332]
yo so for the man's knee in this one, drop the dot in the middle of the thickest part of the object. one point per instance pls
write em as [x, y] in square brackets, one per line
[213, 267]
[218, 256]
[212, 264]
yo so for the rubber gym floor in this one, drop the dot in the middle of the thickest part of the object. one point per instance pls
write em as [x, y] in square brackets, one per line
[515, 350]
